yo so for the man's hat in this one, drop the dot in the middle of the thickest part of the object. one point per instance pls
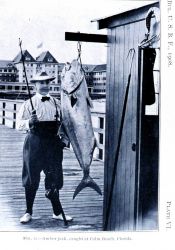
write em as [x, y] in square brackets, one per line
[43, 76]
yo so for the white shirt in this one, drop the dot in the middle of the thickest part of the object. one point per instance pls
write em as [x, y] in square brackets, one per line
[45, 111]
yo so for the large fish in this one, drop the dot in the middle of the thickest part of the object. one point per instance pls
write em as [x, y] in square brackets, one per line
[75, 107]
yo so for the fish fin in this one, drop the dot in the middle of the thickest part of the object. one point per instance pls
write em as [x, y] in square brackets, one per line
[73, 100]
[89, 102]
[87, 182]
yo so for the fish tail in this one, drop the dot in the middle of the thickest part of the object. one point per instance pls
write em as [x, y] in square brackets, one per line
[87, 182]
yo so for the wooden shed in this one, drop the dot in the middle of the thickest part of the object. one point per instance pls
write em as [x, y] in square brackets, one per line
[132, 126]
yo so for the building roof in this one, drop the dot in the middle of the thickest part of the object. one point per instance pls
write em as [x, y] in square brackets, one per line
[86, 67]
[100, 67]
[27, 57]
[6, 63]
[126, 12]
[46, 57]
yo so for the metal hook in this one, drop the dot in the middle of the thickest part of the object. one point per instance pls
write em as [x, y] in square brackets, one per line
[79, 46]
[79, 49]
[131, 52]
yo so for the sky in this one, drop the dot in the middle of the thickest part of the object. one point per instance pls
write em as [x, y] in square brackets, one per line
[45, 22]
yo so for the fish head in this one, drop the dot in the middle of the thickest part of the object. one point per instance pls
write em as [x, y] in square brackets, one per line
[71, 76]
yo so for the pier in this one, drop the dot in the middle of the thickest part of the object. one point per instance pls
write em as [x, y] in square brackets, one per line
[86, 209]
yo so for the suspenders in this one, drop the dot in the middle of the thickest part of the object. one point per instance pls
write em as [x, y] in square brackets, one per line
[57, 114]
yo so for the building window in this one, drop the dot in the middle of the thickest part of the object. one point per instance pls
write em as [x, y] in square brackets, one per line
[56, 88]
[50, 59]
[16, 87]
[27, 58]
[15, 106]
[9, 87]
[3, 105]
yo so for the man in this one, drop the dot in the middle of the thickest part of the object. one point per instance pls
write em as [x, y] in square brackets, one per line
[43, 146]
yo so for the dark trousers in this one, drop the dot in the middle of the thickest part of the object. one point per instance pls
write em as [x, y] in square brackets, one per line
[42, 152]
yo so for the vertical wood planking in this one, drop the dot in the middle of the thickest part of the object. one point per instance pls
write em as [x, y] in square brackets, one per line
[126, 131]
[118, 95]
[114, 125]
[142, 30]
[109, 118]
[122, 159]
[132, 119]
[128, 126]
[133, 115]
[122, 39]
[107, 124]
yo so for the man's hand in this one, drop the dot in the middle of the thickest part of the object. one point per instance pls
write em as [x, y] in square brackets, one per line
[33, 119]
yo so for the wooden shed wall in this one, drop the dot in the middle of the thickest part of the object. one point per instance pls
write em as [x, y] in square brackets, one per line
[122, 38]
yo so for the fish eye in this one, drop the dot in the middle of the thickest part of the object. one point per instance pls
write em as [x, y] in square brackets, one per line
[67, 66]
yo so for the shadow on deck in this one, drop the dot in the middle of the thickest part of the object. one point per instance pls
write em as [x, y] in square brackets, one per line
[86, 209]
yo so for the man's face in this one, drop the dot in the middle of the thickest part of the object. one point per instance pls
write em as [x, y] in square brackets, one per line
[42, 87]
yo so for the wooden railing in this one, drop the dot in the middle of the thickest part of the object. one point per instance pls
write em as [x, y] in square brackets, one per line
[9, 109]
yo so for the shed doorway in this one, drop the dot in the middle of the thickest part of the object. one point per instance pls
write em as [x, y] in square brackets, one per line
[148, 141]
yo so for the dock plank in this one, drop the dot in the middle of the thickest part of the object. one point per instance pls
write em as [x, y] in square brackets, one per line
[86, 208]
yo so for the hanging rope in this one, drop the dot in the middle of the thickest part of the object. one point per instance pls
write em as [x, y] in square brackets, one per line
[79, 55]
[79, 50]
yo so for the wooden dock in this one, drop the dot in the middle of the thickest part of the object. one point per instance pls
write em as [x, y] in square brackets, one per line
[86, 209]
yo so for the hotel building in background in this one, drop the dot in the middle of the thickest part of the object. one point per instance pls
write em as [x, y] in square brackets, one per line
[12, 77]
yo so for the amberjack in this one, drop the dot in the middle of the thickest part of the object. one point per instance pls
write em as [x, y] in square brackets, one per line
[76, 117]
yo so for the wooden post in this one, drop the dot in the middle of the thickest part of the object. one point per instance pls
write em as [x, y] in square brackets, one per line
[83, 37]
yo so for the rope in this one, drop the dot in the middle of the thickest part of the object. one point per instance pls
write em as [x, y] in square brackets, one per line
[79, 55]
